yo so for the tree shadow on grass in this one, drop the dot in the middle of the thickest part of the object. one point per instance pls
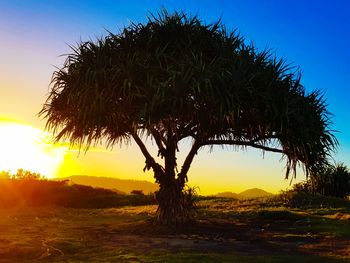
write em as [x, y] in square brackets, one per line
[268, 235]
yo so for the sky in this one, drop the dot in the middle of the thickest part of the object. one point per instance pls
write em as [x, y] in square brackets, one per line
[311, 35]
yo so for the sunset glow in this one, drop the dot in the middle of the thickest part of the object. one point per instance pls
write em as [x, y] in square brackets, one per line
[29, 148]
[34, 35]
[174, 131]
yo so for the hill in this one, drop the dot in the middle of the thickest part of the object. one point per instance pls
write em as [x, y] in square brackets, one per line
[249, 193]
[254, 192]
[41, 192]
[115, 184]
[228, 195]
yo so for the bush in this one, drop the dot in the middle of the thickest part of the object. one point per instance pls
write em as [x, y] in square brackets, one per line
[306, 200]
[333, 180]
[29, 190]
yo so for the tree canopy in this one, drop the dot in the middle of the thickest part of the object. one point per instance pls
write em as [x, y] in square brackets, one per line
[176, 77]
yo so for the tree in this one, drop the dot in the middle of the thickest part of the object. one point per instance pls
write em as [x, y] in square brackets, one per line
[331, 180]
[176, 77]
[22, 174]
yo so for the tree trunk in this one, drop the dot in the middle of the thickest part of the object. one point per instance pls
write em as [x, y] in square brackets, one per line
[175, 204]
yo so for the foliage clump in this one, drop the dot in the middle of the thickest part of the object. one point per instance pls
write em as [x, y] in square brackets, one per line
[332, 180]
[307, 200]
[21, 174]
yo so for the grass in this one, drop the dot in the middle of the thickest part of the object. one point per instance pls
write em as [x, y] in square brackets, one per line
[257, 230]
[192, 257]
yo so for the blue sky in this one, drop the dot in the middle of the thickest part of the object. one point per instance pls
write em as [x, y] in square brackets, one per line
[312, 35]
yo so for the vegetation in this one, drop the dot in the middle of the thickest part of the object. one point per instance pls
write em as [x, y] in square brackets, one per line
[137, 192]
[332, 180]
[175, 78]
[21, 174]
[121, 186]
[255, 230]
[25, 189]
[306, 200]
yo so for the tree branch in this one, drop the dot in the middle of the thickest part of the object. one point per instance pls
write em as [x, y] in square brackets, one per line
[241, 143]
[159, 142]
[264, 138]
[150, 162]
[187, 131]
[182, 176]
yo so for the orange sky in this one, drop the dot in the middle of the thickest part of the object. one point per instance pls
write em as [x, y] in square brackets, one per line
[24, 146]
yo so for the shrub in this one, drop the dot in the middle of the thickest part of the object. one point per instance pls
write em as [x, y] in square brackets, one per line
[332, 180]
[29, 190]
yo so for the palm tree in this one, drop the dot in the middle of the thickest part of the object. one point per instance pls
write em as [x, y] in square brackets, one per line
[176, 77]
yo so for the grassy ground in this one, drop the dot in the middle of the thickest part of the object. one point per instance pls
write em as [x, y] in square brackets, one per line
[225, 231]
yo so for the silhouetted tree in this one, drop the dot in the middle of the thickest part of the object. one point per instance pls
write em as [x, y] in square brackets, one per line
[176, 77]
[331, 180]
[22, 174]
[339, 181]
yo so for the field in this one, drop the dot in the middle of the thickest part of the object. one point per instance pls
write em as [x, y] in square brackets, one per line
[257, 230]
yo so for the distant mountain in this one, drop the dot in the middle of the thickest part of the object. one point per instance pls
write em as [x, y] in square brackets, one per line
[250, 193]
[115, 184]
[228, 195]
[254, 192]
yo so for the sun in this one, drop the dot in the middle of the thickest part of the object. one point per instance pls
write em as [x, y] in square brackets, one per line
[29, 148]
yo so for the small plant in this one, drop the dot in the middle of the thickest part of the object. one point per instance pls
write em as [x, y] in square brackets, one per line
[191, 197]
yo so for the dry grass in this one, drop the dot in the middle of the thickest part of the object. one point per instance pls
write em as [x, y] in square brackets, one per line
[226, 231]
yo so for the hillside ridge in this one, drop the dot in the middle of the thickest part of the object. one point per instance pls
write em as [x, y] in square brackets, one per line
[112, 183]
[249, 193]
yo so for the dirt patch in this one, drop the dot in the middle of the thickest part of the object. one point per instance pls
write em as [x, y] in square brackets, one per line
[221, 236]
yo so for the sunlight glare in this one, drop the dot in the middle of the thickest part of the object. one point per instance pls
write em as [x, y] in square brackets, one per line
[29, 148]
